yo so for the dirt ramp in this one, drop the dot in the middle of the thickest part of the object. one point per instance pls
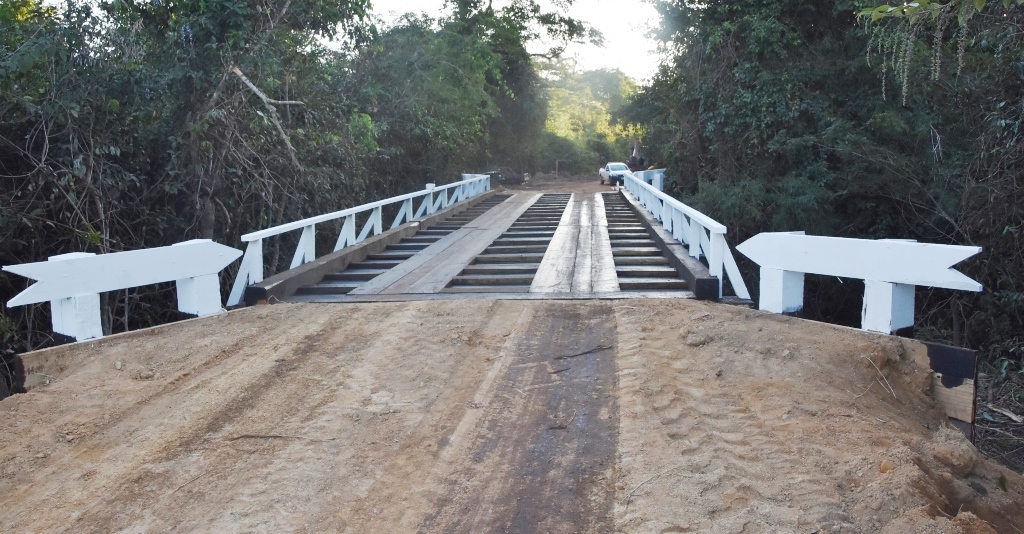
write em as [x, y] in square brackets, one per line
[487, 416]
[737, 421]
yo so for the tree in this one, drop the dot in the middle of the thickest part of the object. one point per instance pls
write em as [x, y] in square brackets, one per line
[581, 130]
[426, 92]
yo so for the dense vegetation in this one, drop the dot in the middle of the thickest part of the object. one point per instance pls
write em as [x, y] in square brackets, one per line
[580, 132]
[127, 124]
[779, 115]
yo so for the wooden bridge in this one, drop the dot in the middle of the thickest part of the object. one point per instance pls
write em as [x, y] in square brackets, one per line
[508, 245]
[534, 359]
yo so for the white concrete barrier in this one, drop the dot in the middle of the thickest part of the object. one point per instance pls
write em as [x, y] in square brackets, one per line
[890, 268]
[72, 282]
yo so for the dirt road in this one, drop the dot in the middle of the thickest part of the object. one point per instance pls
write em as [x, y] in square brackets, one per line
[494, 416]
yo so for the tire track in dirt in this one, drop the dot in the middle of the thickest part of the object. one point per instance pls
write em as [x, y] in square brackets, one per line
[544, 450]
[412, 481]
[352, 410]
[114, 443]
[243, 387]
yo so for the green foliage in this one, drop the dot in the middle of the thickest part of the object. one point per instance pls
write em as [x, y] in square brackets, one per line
[926, 10]
[427, 126]
[582, 108]
[566, 155]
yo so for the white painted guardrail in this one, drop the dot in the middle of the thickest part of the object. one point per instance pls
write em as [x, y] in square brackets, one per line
[433, 199]
[655, 177]
[890, 268]
[73, 282]
[701, 234]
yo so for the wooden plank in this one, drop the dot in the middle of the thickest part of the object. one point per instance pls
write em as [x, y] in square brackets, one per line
[408, 297]
[557, 268]
[958, 402]
[603, 277]
[583, 273]
[439, 270]
[433, 267]
[955, 370]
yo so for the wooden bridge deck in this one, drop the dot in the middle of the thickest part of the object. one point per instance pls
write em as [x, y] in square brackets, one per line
[579, 259]
[530, 245]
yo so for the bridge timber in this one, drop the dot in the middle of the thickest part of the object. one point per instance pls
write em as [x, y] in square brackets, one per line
[579, 241]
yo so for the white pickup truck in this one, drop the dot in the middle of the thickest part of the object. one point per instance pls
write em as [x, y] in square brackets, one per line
[613, 173]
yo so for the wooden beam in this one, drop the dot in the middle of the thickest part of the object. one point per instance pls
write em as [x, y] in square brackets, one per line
[558, 267]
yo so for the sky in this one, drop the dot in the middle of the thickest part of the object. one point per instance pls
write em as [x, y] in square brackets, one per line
[624, 24]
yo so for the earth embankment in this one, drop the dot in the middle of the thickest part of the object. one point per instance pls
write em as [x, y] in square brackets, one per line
[475, 415]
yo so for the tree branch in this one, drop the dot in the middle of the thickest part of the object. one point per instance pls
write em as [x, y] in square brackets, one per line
[273, 113]
[266, 99]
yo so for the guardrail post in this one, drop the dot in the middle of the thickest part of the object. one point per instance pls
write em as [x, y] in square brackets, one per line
[887, 307]
[198, 295]
[249, 272]
[78, 317]
[781, 291]
[305, 251]
[658, 180]
[679, 226]
[716, 259]
[376, 219]
[347, 235]
[695, 232]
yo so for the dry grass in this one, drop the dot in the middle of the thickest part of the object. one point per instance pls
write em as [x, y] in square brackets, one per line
[1000, 401]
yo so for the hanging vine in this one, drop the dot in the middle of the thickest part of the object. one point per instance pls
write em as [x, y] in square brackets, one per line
[894, 32]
